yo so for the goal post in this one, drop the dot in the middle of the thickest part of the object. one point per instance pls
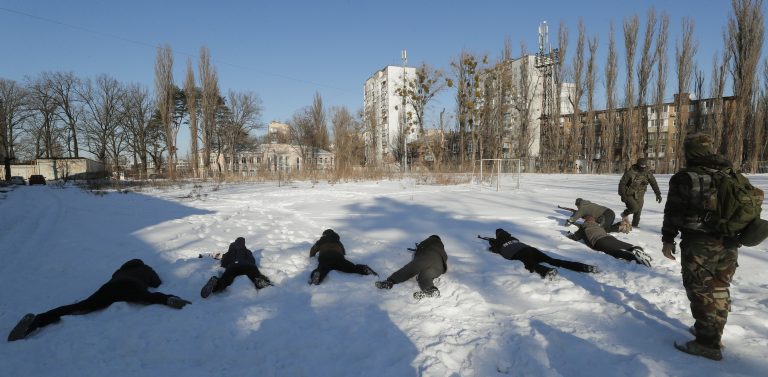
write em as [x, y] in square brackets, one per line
[498, 173]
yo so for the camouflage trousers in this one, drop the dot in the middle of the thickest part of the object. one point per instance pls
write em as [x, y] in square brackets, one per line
[708, 267]
[634, 207]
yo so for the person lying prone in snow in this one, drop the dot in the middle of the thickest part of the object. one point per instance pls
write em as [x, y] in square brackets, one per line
[238, 260]
[429, 261]
[511, 248]
[595, 236]
[331, 256]
[129, 283]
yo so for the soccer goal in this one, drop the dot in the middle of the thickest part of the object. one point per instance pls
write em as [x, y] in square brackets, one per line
[497, 173]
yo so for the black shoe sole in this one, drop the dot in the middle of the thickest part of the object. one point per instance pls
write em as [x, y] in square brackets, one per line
[21, 330]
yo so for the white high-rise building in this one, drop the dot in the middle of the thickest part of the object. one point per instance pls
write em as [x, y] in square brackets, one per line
[383, 112]
[524, 72]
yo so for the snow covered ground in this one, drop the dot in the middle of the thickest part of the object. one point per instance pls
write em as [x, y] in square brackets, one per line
[493, 318]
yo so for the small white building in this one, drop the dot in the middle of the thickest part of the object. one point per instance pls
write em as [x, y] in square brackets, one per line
[59, 168]
[271, 158]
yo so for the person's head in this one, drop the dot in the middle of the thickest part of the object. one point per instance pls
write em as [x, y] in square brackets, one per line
[578, 202]
[589, 219]
[503, 236]
[329, 233]
[698, 145]
[642, 164]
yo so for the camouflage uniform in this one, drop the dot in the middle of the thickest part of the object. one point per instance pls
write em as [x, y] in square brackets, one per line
[709, 260]
[632, 187]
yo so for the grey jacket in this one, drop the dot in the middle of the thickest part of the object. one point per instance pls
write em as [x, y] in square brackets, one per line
[587, 208]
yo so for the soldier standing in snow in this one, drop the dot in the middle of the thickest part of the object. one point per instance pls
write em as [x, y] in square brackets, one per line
[632, 187]
[238, 260]
[602, 215]
[129, 283]
[708, 257]
[429, 261]
[595, 236]
[511, 248]
[330, 255]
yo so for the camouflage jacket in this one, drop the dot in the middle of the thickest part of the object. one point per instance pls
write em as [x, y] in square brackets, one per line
[634, 182]
[679, 207]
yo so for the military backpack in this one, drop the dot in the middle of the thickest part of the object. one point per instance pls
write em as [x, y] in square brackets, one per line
[722, 202]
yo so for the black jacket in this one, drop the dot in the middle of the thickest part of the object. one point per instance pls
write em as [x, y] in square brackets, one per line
[136, 270]
[237, 254]
[328, 242]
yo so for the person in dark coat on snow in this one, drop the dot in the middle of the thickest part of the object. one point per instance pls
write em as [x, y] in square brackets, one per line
[598, 239]
[429, 261]
[603, 215]
[511, 248]
[129, 283]
[331, 256]
[238, 260]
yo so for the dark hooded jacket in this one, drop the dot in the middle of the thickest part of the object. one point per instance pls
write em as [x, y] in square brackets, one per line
[237, 254]
[136, 270]
[328, 242]
[432, 248]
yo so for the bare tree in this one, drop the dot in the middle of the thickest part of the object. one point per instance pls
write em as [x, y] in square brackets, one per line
[14, 112]
[43, 125]
[558, 133]
[209, 102]
[746, 33]
[631, 27]
[590, 137]
[164, 90]
[644, 72]
[660, 146]
[467, 75]
[138, 107]
[420, 90]
[64, 87]
[190, 90]
[347, 141]
[243, 117]
[609, 125]
[763, 111]
[575, 135]
[104, 118]
[685, 50]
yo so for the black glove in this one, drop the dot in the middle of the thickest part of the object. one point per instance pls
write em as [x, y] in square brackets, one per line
[176, 302]
[658, 198]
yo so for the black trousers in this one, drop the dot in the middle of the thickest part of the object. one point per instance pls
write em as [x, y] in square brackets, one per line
[606, 221]
[128, 290]
[426, 270]
[234, 271]
[329, 261]
[533, 258]
[615, 248]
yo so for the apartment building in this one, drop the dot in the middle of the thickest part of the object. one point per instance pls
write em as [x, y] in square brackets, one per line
[384, 114]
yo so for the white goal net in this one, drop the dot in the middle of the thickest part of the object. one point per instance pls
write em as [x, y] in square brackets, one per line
[497, 173]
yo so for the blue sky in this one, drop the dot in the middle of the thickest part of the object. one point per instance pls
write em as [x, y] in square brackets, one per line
[285, 51]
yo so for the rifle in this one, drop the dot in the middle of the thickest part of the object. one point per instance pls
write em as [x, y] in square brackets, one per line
[568, 209]
[484, 238]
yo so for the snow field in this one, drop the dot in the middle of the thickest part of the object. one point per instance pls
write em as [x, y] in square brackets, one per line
[493, 317]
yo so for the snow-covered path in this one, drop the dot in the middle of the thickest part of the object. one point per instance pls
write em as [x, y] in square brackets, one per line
[493, 317]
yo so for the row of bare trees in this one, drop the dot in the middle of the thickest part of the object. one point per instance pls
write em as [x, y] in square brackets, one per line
[494, 100]
[57, 114]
